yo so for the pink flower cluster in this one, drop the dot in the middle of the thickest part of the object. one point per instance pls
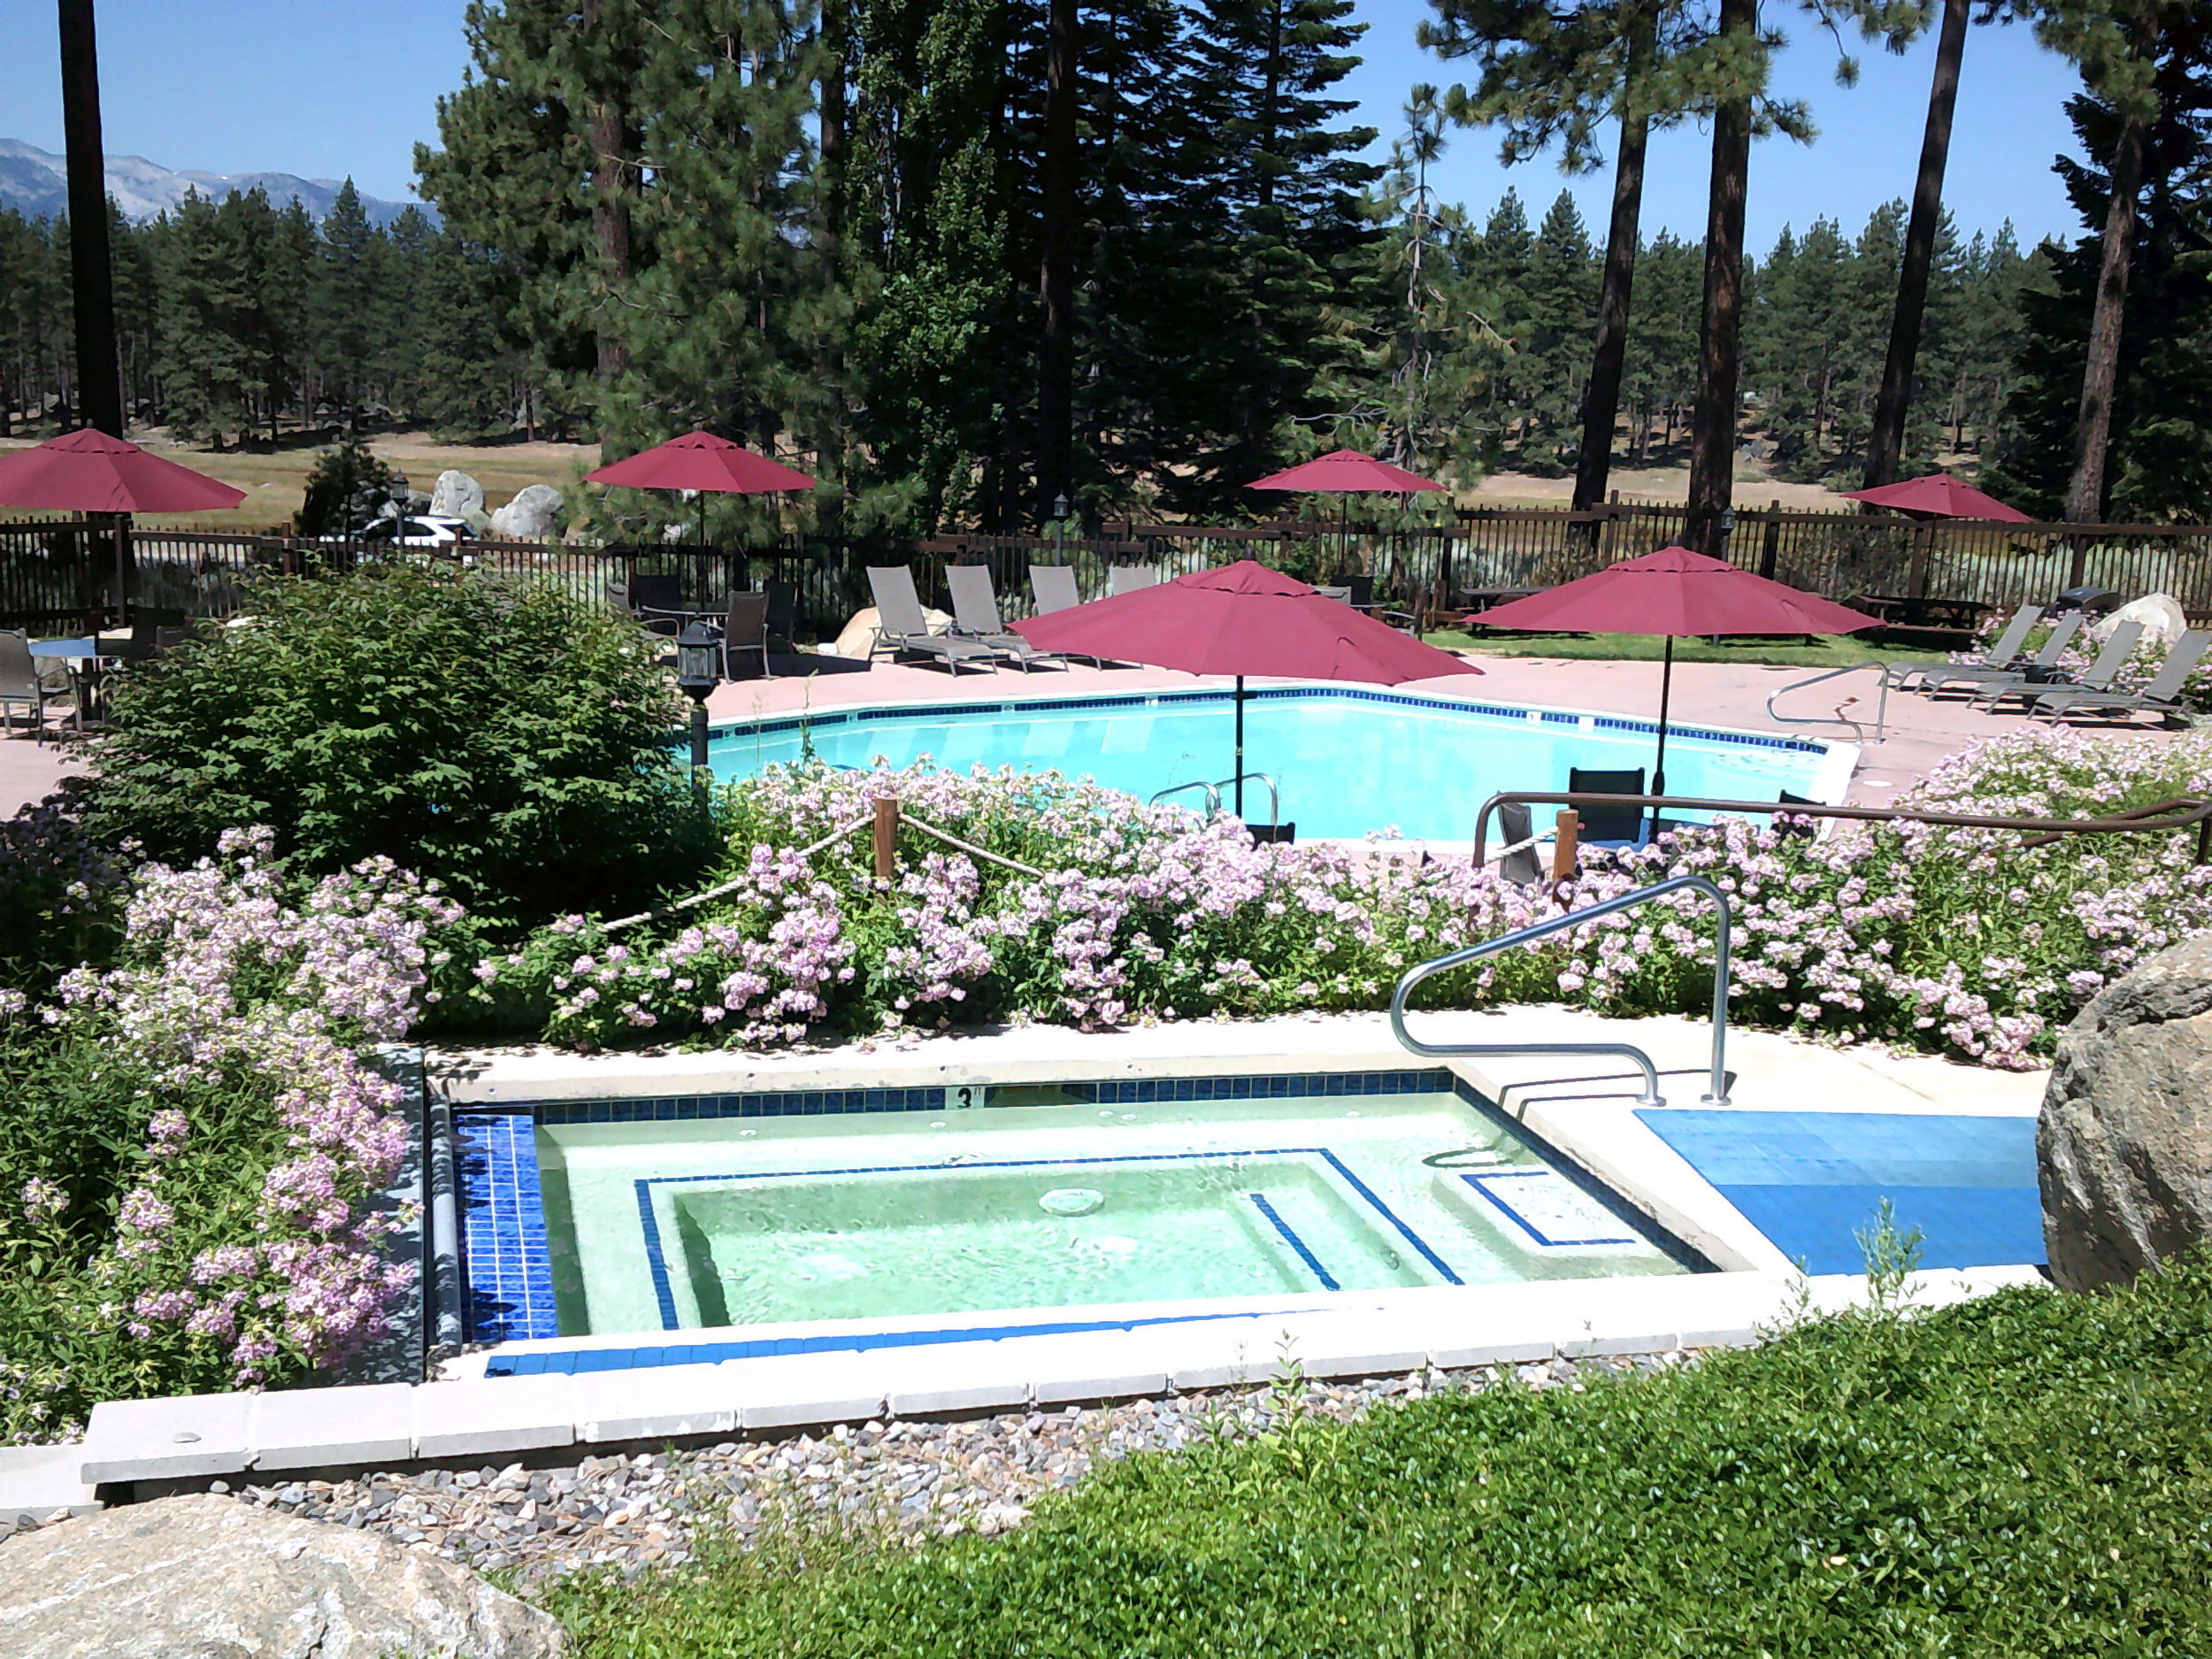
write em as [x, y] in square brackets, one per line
[220, 975]
[1938, 937]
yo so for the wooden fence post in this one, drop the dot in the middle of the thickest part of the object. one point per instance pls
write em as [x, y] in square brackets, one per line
[886, 837]
[1565, 851]
[1770, 546]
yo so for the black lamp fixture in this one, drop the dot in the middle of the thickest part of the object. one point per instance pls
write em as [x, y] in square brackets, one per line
[698, 671]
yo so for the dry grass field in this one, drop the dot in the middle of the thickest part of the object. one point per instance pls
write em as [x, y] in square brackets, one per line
[274, 481]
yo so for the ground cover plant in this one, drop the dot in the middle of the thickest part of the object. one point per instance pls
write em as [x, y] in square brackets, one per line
[197, 1142]
[493, 736]
[1953, 941]
[2025, 1474]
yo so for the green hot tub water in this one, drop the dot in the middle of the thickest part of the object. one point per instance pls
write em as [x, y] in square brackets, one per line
[738, 1222]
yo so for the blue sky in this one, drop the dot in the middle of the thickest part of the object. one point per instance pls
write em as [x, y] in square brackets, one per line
[325, 87]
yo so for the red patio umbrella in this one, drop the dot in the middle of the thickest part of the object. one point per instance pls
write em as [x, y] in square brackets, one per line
[700, 461]
[1242, 619]
[1681, 595]
[1940, 496]
[1346, 472]
[88, 471]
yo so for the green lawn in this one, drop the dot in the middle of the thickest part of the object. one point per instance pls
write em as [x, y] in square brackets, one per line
[2027, 1474]
[1833, 651]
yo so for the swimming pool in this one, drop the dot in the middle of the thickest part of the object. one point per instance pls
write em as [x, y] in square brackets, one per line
[739, 1211]
[1348, 762]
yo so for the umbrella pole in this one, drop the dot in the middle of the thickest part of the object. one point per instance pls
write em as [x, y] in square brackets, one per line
[1240, 778]
[1666, 694]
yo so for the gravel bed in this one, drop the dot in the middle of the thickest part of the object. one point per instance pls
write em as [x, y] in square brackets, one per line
[635, 1512]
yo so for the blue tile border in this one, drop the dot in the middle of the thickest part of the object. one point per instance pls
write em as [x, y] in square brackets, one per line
[1272, 694]
[572, 1361]
[1486, 1182]
[506, 1255]
[1289, 1236]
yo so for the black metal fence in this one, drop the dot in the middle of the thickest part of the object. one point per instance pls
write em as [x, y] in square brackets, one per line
[58, 573]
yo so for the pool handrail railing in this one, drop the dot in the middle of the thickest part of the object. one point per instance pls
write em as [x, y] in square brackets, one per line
[1412, 977]
[2179, 812]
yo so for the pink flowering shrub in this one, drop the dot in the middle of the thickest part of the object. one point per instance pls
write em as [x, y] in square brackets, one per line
[1953, 941]
[197, 1141]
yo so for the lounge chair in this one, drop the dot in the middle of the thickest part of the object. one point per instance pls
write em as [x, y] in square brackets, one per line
[746, 633]
[2002, 649]
[901, 625]
[1054, 589]
[1619, 825]
[2162, 695]
[975, 617]
[1127, 578]
[2119, 645]
[1970, 677]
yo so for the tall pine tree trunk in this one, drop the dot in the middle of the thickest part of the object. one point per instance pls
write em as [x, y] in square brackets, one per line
[1713, 421]
[836, 47]
[1601, 396]
[1884, 445]
[2093, 426]
[610, 208]
[99, 375]
[1055, 355]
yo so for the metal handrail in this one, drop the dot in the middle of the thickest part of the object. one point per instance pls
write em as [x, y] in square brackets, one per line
[1274, 796]
[2181, 812]
[1858, 727]
[1560, 924]
[1213, 794]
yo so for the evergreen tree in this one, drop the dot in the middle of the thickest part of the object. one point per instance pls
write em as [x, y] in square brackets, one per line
[344, 308]
[209, 366]
[2158, 459]
[1661, 367]
[1563, 283]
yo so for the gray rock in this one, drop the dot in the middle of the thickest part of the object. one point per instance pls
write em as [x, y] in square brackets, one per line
[533, 515]
[456, 495]
[211, 1578]
[2123, 1147]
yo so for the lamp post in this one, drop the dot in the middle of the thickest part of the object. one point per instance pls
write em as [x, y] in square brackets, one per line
[1059, 529]
[698, 671]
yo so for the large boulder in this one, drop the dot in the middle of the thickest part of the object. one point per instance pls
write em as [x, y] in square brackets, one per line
[212, 1578]
[456, 495]
[2161, 617]
[2124, 1146]
[533, 515]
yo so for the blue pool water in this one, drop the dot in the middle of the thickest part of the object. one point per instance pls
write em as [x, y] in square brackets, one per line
[1812, 1181]
[1348, 762]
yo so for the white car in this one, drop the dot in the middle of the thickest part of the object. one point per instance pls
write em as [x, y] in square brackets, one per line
[422, 530]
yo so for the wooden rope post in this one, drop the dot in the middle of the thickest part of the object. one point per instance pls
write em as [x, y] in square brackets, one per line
[1564, 853]
[886, 837]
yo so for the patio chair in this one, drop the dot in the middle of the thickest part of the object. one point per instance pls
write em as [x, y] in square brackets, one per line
[975, 616]
[1362, 600]
[1623, 825]
[2162, 695]
[1127, 578]
[23, 681]
[1519, 863]
[746, 633]
[1970, 677]
[2119, 645]
[2001, 650]
[783, 614]
[1054, 589]
[901, 625]
[1342, 595]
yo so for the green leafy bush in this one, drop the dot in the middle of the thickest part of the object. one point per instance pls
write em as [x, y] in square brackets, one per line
[348, 485]
[2026, 1474]
[499, 738]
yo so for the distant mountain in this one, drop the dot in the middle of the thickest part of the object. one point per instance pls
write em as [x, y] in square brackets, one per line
[35, 183]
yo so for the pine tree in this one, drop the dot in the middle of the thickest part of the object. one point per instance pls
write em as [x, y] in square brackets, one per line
[2157, 459]
[1563, 284]
[344, 306]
